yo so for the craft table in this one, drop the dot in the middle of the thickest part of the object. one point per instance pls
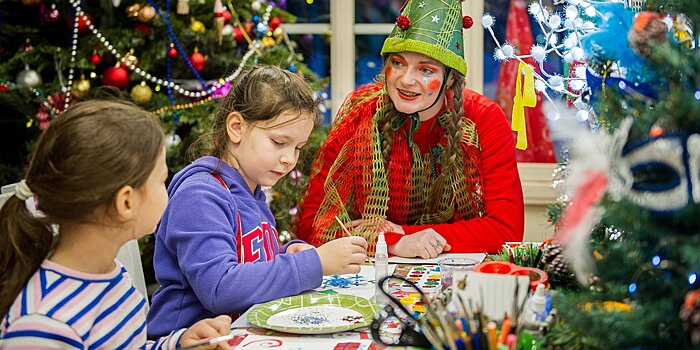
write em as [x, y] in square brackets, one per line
[425, 273]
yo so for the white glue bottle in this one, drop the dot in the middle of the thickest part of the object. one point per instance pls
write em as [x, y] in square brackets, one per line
[538, 304]
[381, 269]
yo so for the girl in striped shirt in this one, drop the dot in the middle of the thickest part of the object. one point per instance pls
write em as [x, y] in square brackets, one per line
[97, 175]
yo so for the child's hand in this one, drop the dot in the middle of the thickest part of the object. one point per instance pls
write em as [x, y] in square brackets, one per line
[343, 255]
[297, 247]
[207, 329]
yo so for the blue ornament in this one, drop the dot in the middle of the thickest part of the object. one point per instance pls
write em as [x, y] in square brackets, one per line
[292, 68]
[256, 19]
[261, 30]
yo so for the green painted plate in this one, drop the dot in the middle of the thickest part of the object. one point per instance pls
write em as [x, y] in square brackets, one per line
[314, 313]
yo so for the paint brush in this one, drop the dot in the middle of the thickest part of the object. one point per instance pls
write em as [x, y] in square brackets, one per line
[345, 229]
[212, 341]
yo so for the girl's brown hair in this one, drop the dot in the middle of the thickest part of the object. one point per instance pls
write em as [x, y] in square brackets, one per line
[82, 159]
[260, 93]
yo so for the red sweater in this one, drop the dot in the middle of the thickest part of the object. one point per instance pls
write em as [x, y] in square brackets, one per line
[502, 193]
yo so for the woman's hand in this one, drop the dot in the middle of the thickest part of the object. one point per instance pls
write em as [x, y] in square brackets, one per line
[343, 255]
[425, 244]
[387, 227]
[298, 247]
[207, 329]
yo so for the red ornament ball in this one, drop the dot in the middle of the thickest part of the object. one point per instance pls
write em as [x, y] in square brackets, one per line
[82, 23]
[238, 35]
[198, 60]
[172, 52]
[144, 28]
[96, 59]
[403, 22]
[467, 22]
[227, 16]
[274, 23]
[117, 77]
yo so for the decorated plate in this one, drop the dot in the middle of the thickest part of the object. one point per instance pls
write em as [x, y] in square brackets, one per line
[314, 313]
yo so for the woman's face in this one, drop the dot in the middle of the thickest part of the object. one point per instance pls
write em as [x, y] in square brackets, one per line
[413, 81]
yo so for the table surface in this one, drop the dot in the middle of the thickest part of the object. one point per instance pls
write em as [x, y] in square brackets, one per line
[424, 272]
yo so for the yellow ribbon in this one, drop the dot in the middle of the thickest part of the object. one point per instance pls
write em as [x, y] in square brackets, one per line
[524, 97]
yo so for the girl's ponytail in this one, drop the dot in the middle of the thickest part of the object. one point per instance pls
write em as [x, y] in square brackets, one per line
[25, 241]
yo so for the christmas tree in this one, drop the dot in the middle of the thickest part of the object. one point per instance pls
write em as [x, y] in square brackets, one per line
[176, 59]
[631, 227]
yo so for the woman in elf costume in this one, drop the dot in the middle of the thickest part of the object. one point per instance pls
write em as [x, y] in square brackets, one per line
[416, 155]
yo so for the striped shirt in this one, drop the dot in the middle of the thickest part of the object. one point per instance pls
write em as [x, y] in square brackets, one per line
[61, 308]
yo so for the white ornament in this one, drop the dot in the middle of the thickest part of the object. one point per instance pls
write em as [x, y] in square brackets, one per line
[590, 11]
[116, 2]
[540, 85]
[577, 53]
[554, 21]
[498, 55]
[538, 53]
[576, 84]
[227, 30]
[255, 6]
[569, 24]
[487, 21]
[508, 50]
[568, 57]
[556, 81]
[535, 9]
[172, 140]
[435, 18]
[570, 42]
[571, 12]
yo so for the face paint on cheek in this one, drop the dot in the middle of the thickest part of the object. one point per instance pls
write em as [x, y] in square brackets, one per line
[434, 85]
[388, 72]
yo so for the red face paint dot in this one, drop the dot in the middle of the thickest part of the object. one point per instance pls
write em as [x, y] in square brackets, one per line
[434, 85]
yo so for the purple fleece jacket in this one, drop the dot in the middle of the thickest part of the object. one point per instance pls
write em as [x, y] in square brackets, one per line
[217, 252]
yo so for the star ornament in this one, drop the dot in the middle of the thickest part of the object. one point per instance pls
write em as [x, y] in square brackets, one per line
[422, 4]
[435, 18]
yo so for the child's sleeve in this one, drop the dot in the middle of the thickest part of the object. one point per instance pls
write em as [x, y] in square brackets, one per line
[40, 331]
[170, 341]
[201, 232]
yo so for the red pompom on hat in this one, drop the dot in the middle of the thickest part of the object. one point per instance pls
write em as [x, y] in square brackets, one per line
[403, 22]
[467, 22]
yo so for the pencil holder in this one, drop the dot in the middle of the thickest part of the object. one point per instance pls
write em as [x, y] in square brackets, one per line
[537, 276]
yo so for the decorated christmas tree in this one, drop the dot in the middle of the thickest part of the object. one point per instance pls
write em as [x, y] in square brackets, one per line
[631, 227]
[174, 58]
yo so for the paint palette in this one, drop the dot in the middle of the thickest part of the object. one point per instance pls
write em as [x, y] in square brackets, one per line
[426, 277]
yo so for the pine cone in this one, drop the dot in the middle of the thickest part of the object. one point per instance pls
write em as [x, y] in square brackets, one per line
[554, 260]
[690, 314]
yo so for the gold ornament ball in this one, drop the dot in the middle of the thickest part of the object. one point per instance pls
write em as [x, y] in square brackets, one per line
[81, 88]
[130, 58]
[268, 42]
[132, 12]
[197, 26]
[278, 32]
[141, 94]
[147, 13]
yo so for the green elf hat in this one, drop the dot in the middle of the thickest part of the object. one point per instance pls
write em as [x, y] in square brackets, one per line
[433, 28]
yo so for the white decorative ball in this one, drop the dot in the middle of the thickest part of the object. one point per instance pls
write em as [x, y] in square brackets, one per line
[535, 9]
[568, 57]
[555, 81]
[498, 55]
[577, 52]
[538, 53]
[571, 12]
[569, 24]
[487, 21]
[576, 84]
[570, 42]
[508, 50]
[590, 11]
[255, 6]
[554, 21]
[540, 85]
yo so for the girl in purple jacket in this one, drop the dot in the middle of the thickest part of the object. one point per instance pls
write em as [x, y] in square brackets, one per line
[216, 247]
